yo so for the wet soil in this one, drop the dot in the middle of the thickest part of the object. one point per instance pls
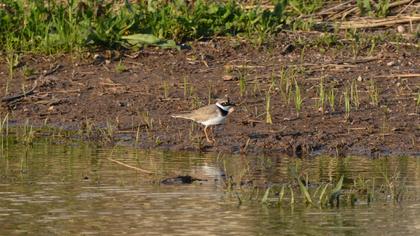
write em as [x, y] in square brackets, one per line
[130, 96]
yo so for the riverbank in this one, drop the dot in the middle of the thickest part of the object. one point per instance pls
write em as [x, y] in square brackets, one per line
[303, 93]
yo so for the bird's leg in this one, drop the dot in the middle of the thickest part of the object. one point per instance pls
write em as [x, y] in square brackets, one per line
[207, 136]
[212, 134]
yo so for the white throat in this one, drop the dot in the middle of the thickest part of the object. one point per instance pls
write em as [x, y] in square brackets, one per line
[225, 108]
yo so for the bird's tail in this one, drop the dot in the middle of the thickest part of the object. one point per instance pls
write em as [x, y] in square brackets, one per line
[183, 116]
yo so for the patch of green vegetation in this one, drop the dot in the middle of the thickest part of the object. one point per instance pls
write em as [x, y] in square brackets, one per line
[120, 67]
[73, 25]
[367, 7]
[306, 7]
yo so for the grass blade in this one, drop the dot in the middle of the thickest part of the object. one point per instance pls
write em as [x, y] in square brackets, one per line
[304, 191]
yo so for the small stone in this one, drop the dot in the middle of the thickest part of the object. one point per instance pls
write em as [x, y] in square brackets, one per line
[391, 63]
[228, 77]
[400, 29]
[359, 78]
[50, 108]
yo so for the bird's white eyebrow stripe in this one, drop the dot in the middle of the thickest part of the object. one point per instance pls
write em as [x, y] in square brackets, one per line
[222, 107]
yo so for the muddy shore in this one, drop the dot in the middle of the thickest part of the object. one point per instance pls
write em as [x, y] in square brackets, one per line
[132, 95]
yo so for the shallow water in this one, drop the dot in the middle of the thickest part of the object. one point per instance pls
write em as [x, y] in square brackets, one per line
[51, 189]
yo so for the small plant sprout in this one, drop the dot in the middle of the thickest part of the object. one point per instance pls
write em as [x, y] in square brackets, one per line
[165, 89]
[256, 90]
[354, 95]
[331, 99]
[147, 119]
[242, 84]
[347, 105]
[373, 93]
[418, 101]
[28, 134]
[298, 99]
[268, 119]
[110, 130]
[28, 71]
[120, 67]
[286, 84]
[138, 135]
[321, 96]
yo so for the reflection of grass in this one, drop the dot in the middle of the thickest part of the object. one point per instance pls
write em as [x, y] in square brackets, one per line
[298, 188]
[4, 129]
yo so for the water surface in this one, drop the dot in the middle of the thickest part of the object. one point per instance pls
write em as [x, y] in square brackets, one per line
[50, 189]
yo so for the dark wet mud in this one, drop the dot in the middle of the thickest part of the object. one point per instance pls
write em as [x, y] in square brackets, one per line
[130, 96]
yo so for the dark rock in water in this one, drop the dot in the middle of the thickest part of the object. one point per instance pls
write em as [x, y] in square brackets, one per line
[180, 179]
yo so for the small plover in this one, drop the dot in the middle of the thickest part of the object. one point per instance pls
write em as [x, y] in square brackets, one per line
[214, 114]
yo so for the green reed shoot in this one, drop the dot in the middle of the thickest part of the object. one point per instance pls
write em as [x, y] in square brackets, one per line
[109, 131]
[298, 99]
[165, 89]
[331, 99]
[373, 93]
[137, 135]
[28, 135]
[147, 119]
[268, 119]
[4, 129]
[304, 191]
[286, 84]
[347, 104]
[354, 94]
[418, 101]
[321, 96]
[256, 89]
[4, 125]
[242, 84]
[12, 60]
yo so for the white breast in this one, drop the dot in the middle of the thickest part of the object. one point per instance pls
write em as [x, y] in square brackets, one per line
[214, 121]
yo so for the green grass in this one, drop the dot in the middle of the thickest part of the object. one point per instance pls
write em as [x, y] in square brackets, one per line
[298, 99]
[268, 118]
[347, 103]
[321, 96]
[73, 25]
